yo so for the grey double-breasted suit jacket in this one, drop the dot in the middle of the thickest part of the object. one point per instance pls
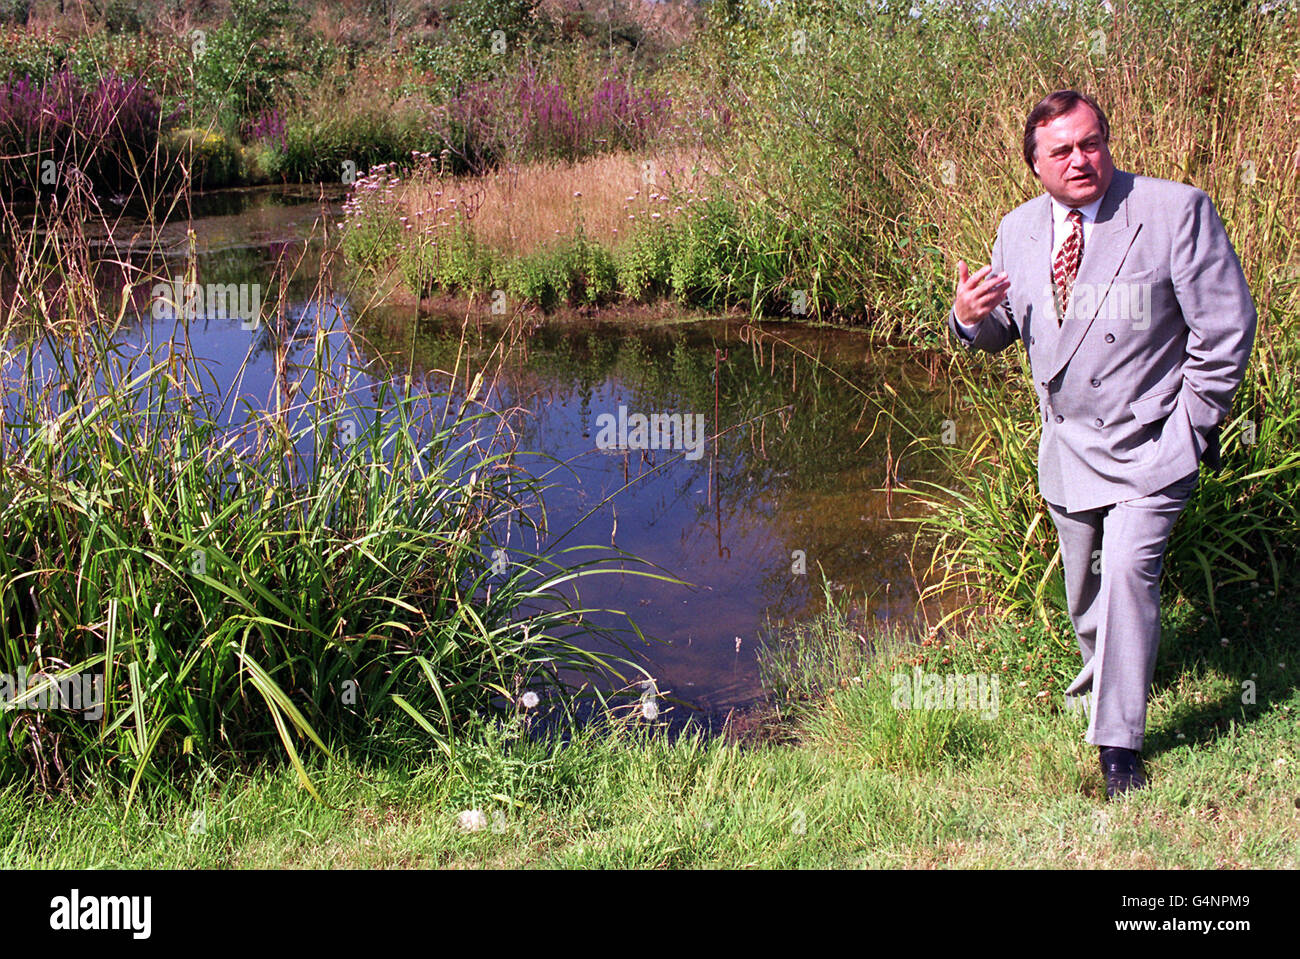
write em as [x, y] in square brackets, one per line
[1134, 383]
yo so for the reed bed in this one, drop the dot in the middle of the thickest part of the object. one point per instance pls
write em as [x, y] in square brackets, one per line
[319, 571]
[874, 151]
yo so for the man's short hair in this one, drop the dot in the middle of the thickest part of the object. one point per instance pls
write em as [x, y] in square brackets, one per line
[1052, 106]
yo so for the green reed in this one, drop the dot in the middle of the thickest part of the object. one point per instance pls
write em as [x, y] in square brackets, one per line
[322, 574]
[990, 539]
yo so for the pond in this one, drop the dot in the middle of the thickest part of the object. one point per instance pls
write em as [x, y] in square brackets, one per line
[746, 460]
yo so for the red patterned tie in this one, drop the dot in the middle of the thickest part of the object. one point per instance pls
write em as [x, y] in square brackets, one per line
[1066, 265]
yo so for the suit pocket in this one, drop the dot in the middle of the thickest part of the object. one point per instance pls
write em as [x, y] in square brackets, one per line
[1156, 405]
[1136, 277]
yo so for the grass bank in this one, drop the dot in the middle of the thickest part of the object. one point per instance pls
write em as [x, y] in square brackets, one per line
[193, 578]
[852, 781]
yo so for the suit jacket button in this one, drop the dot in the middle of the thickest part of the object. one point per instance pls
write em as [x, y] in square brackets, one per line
[1031, 341]
[1095, 381]
[1110, 337]
[1043, 383]
[1098, 422]
[1060, 418]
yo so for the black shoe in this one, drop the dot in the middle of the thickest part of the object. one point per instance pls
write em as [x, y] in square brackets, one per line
[1122, 769]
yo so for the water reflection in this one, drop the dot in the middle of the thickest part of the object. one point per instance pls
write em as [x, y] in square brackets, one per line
[785, 491]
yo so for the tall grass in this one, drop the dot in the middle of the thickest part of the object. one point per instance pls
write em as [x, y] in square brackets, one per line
[873, 150]
[318, 572]
[105, 131]
[547, 234]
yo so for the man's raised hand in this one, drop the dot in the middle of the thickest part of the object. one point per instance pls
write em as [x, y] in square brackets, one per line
[979, 293]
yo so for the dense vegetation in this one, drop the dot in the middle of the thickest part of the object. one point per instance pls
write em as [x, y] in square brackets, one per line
[802, 159]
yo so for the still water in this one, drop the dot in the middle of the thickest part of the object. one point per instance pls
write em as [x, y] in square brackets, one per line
[771, 491]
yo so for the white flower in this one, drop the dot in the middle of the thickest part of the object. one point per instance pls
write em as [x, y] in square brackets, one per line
[529, 699]
[471, 820]
[650, 709]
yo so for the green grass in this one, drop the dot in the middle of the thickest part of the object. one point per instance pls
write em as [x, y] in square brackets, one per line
[987, 530]
[319, 575]
[700, 262]
[861, 785]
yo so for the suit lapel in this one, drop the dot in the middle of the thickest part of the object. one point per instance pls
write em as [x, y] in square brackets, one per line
[1103, 255]
[1039, 239]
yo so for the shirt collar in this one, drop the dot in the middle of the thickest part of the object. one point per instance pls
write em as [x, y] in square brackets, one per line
[1060, 211]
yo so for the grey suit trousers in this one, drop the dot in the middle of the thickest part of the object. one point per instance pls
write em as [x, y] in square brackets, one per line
[1112, 558]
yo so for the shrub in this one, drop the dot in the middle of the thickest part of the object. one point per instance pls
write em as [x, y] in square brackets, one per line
[15, 12]
[576, 272]
[527, 117]
[107, 132]
[123, 16]
[645, 265]
[703, 255]
[213, 158]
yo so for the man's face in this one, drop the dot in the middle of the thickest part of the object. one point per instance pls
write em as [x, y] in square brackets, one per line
[1071, 159]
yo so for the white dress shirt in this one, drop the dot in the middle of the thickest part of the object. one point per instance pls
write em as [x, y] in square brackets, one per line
[1061, 226]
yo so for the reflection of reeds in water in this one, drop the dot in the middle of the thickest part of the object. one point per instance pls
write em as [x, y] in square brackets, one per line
[324, 571]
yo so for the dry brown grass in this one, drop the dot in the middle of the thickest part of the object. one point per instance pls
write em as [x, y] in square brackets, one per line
[521, 208]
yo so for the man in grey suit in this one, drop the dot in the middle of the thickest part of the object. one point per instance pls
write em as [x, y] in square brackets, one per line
[1131, 301]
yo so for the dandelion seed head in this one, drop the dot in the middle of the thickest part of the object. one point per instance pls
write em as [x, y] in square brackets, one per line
[471, 820]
